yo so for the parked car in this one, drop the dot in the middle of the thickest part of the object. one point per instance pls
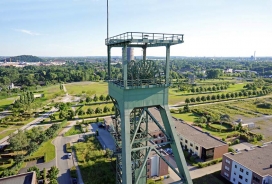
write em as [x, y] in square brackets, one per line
[69, 155]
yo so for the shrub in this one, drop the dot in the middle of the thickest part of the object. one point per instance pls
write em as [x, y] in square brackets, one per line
[68, 148]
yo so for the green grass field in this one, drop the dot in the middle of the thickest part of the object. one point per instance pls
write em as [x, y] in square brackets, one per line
[48, 148]
[94, 163]
[73, 131]
[4, 103]
[188, 117]
[90, 88]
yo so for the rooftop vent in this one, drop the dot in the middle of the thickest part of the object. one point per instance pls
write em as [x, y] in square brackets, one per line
[270, 165]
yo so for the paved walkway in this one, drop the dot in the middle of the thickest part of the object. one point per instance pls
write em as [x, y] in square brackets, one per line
[46, 165]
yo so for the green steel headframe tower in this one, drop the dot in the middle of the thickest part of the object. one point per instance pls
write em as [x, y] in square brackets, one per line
[139, 89]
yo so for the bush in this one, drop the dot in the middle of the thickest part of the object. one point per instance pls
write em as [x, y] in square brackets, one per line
[68, 148]
[73, 172]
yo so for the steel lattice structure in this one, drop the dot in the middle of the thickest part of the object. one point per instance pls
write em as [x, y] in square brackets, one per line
[141, 88]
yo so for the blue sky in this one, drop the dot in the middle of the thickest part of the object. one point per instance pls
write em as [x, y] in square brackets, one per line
[78, 27]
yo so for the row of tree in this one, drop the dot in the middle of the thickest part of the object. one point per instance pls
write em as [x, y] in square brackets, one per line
[210, 88]
[224, 96]
[96, 98]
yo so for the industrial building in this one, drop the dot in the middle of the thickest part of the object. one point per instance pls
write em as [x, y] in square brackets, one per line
[249, 166]
[25, 178]
[196, 141]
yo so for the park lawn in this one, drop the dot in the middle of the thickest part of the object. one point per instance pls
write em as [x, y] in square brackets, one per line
[249, 105]
[50, 92]
[187, 117]
[73, 131]
[93, 162]
[90, 88]
[222, 127]
[14, 128]
[6, 133]
[48, 148]
[4, 103]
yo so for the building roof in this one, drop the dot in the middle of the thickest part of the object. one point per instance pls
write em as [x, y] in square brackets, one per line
[25, 178]
[257, 159]
[185, 130]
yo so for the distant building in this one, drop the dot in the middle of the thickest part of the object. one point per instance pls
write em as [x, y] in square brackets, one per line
[130, 54]
[253, 166]
[25, 178]
[229, 70]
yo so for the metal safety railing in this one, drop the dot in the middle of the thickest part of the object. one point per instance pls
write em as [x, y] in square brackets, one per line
[128, 36]
[139, 82]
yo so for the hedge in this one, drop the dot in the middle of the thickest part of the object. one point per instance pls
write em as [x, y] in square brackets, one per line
[68, 148]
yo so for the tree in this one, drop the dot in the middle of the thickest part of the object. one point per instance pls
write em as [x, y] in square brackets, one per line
[18, 141]
[53, 181]
[98, 110]
[186, 108]
[88, 99]
[208, 98]
[81, 112]
[95, 99]
[213, 97]
[213, 73]
[53, 173]
[198, 99]
[203, 98]
[113, 109]
[90, 111]
[70, 114]
[192, 99]
[52, 117]
[227, 95]
[108, 98]
[37, 171]
[102, 98]
[223, 96]
[106, 109]
[187, 100]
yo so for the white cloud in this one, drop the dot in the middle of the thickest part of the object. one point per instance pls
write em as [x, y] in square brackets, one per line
[28, 32]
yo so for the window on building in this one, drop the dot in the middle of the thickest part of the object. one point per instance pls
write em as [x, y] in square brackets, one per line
[233, 179]
[246, 180]
[240, 176]
[191, 144]
[247, 173]
[148, 163]
[147, 170]
[226, 174]
[239, 182]
[196, 147]
[227, 161]
[186, 141]
[161, 141]
[180, 138]
[241, 169]
[227, 168]
[235, 166]
[154, 136]
[147, 176]
[234, 173]
[156, 142]
[256, 179]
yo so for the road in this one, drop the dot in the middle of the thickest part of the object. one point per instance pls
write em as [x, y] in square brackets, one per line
[195, 172]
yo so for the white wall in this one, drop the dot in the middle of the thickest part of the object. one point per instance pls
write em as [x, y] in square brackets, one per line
[155, 165]
[193, 148]
[235, 172]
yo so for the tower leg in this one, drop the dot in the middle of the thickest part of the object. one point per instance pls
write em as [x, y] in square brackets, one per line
[126, 149]
[175, 144]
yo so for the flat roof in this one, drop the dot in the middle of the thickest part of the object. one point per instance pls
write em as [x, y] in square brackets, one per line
[257, 159]
[25, 178]
[191, 133]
